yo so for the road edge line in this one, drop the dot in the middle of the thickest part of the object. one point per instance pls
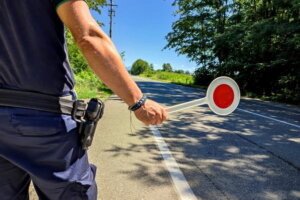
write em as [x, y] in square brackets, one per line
[182, 187]
[270, 118]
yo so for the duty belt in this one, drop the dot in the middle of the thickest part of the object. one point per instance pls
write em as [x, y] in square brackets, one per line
[42, 102]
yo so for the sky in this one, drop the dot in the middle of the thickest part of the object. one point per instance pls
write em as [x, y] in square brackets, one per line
[139, 29]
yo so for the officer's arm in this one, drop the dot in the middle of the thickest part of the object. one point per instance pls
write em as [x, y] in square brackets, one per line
[98, 49]
[105, 60]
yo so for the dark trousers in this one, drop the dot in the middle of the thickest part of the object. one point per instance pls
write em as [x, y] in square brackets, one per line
[43, 147]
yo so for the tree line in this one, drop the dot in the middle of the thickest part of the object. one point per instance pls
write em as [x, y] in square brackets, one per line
[257, 42]
[141, 66]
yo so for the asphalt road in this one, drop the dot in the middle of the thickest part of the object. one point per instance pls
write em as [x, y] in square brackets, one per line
[243, 156]
[240, 156]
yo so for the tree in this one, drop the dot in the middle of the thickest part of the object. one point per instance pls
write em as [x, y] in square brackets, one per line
[179, 71]
[167, 67]
[202, 76]
[96, 5]
[256, 42]
[187, 72]
[139, 66]
[151, 67]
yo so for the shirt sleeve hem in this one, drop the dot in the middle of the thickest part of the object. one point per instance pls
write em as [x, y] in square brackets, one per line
[60, 3]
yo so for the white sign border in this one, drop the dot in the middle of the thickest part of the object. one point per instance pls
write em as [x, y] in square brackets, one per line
[210, 93]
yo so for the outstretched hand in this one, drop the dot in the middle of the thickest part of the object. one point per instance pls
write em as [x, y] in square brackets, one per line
[151, 113]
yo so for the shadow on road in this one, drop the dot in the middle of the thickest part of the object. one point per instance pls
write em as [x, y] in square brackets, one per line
[239, 156]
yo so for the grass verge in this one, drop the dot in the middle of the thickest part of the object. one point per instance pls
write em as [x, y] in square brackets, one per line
[170, 77]
[89, 86]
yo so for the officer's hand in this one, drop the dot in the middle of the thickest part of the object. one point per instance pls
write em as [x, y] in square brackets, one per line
[151, 113]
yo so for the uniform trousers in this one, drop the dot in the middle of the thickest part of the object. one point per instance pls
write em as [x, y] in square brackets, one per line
[43, 147]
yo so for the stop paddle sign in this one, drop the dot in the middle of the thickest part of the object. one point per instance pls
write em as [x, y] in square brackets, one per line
[222, 97]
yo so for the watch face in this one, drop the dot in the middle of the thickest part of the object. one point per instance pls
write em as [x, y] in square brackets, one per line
[223, 95]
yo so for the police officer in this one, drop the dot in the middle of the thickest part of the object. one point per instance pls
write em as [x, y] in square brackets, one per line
[43, 146]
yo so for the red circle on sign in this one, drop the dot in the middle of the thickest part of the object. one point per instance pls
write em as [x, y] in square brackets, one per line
[223, 96]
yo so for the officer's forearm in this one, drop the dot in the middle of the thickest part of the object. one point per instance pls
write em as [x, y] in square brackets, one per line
[106, 62]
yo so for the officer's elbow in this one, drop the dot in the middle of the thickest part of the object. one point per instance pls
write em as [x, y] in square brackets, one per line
[91, 38]
[86, 42]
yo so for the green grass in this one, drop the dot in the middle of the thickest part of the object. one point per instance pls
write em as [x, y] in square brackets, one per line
[89, 86]
[170, 77]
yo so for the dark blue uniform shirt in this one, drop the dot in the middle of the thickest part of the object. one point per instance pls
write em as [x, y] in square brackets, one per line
[33, 53]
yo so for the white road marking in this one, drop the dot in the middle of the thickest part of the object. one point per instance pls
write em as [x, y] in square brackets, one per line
[182, 187]
[271, 118]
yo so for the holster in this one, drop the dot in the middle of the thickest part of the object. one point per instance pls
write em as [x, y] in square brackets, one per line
[88, 125]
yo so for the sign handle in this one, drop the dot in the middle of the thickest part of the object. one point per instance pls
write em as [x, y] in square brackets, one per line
[186, 105]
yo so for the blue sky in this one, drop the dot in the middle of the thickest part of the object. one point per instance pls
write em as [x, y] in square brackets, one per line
[139, 29]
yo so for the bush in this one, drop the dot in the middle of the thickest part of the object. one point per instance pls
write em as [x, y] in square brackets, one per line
[88, 86]
[139, 66]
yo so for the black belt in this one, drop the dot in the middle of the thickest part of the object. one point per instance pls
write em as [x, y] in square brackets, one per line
[42, 102]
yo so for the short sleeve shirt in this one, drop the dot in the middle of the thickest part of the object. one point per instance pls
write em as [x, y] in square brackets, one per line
[33, 54]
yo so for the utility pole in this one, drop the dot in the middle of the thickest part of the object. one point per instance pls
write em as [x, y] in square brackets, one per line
[111, 14]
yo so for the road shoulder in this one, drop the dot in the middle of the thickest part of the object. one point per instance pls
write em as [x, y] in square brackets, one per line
[129, 163]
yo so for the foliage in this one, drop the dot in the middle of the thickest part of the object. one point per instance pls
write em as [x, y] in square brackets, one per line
[88, 85]
[257, 42]
[167, 67]
[96, 4]
[187, 72]
[76, 58]
[151, 67]
[139, 66]
[171, 77]
[180, 71]
[202, 76]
